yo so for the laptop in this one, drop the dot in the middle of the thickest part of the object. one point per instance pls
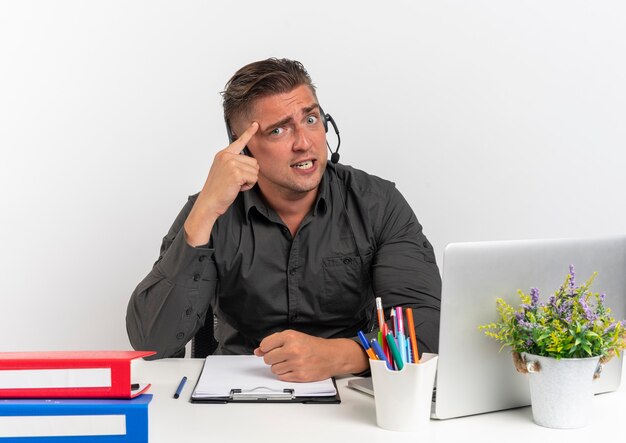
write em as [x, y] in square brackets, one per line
[473, 377]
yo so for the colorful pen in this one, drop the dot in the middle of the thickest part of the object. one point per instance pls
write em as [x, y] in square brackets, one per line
[366, 346]
[394, 351]
[409, 353]
[385, 345]
[409, 317]
[380, 353]
[394, 321]
[400, 335]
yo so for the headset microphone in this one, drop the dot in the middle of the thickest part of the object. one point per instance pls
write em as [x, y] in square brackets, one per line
[334, 158]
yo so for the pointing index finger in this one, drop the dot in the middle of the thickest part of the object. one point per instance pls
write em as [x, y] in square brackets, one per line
[237, 146]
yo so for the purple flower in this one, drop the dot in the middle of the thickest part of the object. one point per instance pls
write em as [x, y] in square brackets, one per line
[525, 324]
[602, 296]
[589, 314]
[529, 342]
[572, 277]
[565, 309]
[534, 297]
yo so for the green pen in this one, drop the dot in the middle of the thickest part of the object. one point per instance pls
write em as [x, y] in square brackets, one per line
[394, 351]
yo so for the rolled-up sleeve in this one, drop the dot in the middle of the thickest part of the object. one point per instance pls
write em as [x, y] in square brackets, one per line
[405, 272]
[170, 303]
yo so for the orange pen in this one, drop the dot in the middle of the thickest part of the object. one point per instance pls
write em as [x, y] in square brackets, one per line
[409, 316]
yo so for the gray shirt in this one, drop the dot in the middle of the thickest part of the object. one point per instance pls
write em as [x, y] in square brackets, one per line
[361, 240]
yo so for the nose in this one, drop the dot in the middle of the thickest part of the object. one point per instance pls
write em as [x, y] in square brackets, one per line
[300, 140]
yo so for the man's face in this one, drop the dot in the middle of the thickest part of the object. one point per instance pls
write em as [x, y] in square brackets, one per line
[290, 144]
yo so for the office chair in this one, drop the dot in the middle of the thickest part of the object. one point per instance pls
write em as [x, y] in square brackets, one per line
[204, 343]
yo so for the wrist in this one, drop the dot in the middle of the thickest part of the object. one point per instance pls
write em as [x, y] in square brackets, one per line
[352, 359]
[197, 229]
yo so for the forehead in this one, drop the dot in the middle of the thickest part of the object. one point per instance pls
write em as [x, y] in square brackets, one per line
[283, 103]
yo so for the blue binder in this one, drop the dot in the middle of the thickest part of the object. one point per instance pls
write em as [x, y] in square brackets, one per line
[134, 412]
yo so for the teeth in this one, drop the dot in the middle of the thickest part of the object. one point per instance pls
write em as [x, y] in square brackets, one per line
[304, 165]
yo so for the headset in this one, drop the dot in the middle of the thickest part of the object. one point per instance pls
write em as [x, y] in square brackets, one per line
[326, 118]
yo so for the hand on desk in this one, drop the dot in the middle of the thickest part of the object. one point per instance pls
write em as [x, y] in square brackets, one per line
[298, 357]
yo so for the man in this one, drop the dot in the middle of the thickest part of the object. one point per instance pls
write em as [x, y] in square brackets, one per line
[288, 250]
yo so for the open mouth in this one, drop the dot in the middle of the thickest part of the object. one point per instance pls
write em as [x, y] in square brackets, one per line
[303, 165]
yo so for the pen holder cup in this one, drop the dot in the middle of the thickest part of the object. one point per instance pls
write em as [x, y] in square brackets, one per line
[403, 398]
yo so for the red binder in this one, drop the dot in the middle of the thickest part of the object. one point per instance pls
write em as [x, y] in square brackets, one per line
[69, 374]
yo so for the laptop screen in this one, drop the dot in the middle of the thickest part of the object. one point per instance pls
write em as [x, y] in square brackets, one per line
[473, 377]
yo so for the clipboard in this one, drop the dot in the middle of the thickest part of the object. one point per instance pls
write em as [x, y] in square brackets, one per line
[246, 379]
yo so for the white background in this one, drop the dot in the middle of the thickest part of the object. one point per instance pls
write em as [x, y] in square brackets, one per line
[497, 119]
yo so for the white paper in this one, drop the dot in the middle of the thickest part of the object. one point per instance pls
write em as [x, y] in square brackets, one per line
[221, 373]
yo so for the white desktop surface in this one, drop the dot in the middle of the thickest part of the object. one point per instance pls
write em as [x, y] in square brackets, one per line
[354, 420]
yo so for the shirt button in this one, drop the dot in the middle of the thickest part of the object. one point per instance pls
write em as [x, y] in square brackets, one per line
[425, 244]
[201, 258]
[292, 271]
[347, 261]
[180, 335]
[196, 277]
[188, 312]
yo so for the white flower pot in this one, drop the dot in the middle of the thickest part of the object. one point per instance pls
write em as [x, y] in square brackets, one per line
[561, 391]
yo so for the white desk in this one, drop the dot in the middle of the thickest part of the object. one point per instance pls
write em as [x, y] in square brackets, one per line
[354, 420]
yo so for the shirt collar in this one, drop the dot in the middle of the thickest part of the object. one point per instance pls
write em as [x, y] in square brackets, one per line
[253, 199]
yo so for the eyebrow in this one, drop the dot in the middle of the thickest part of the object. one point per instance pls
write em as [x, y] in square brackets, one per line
[285, 120]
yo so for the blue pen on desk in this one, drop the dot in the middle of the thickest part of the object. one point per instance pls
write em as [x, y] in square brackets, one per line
[380, 353]
[181, 385]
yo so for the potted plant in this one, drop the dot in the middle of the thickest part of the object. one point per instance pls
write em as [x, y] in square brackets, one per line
[562, 344]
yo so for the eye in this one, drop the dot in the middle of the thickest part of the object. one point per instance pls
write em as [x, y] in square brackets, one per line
[311, 119]
[276, 131]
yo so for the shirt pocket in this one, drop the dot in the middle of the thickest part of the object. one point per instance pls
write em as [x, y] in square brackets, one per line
[346, 285]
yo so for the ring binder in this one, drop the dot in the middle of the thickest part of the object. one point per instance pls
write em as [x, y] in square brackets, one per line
[256, 394]
[69, 374]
